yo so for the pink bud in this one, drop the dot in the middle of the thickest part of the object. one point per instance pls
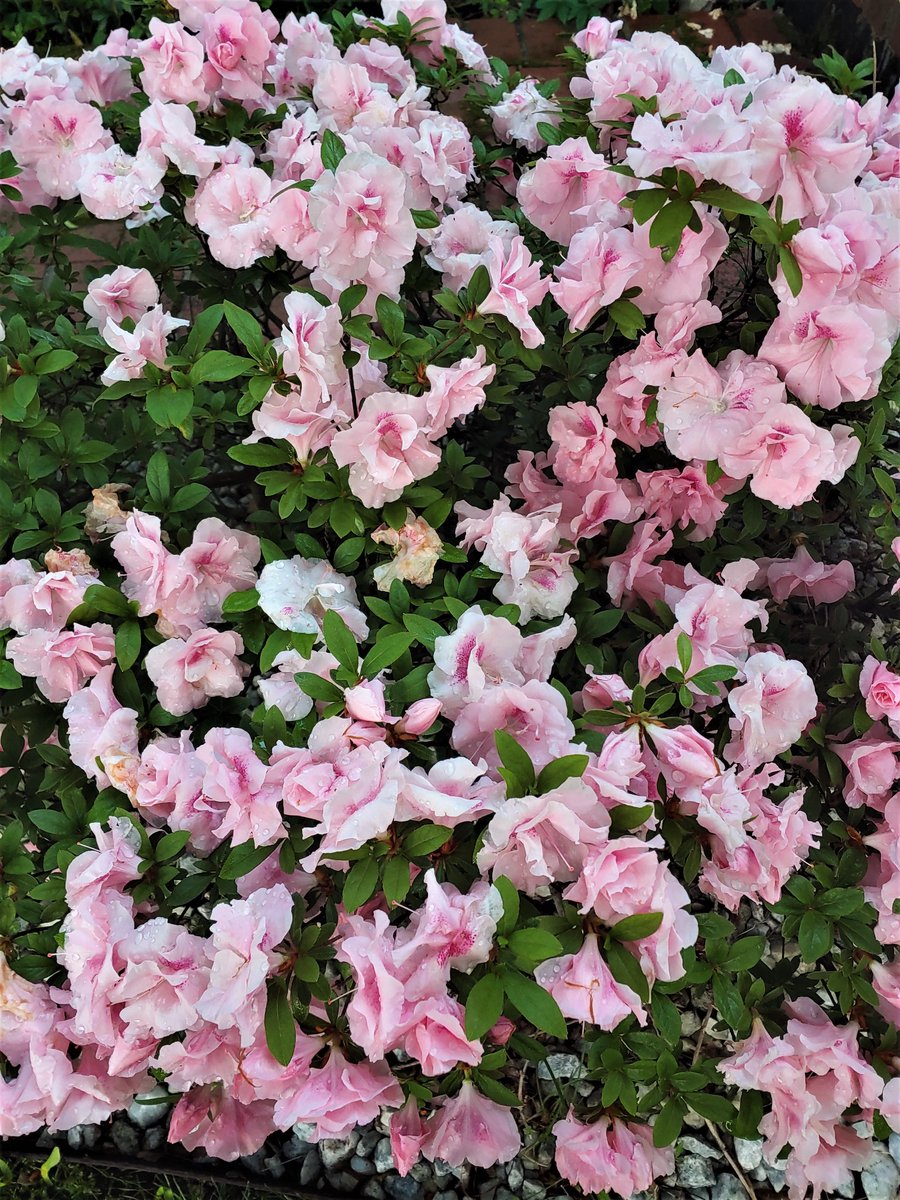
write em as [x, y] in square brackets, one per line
[419, 717]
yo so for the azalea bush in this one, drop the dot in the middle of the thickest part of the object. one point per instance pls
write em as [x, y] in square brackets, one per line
[449, 588]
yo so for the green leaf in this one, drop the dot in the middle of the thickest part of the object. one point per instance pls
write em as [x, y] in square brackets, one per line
[424, 218]
[385, 651]
[570, 766]
[667, 1125]
[729, 201]
[534, 1004]
[218, 366]
[685, 652]
[51, 1161]
[668, 224]
[360, 883]
[392, 319]
[713, 1107]
[640, 925]
[318, 688]
[815, 936]
[518, 769]
[425, 839]
[729, 1001]
[423, 629]
[204, 326]
[243, 859]
[666, 1018]
[791, 270]
[170, 845]
[478, 286]
[281, 1028]
[340, 641]
[745, 953]
[395, 882]
[128, 644]
[333, 150]
[54, 360]
[484, 1006]
[629, 816]
[245, 326]
[494, 1090]
[240, 602]
[534, 944]
[158, 482]
[510, 897]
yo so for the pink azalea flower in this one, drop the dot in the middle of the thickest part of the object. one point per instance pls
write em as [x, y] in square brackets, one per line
[169, 133]
[585, 990]
[146, 343]
[53, 135]
[407, 1134]
[534, 714]
[62, 662]
[516, 287]
[296, 593]
[570, 188]
[125, 292]
[231, 207]
[172, 60]
[236, 781]
[338, 1096]
[517, 115]
[462, 242]
[243, 940]
[609, 1155]
[206, 1118]
[771, 709]
[188, 673]
[387, 447]
[470, 1128]
[101, 728]
[880, 688]
[873, 766]
[600, 265]
[238, 43]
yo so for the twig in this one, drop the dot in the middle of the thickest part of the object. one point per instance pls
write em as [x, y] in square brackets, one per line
[744, 1181]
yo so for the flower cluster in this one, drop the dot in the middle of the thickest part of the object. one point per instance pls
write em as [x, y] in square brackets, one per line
[507, 707]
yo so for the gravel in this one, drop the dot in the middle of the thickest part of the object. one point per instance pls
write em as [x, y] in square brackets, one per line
[748, 1153]
[880, 1180]
[694, 1172]
[149, 1108]
[727, 1187]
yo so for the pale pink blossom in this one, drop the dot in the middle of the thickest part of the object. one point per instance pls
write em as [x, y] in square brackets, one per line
[338, 1096]
[772, 707]
[297, 592]
[880, 688]
[609, 1155]
[387, 447]
[518, 113]
[144, 344]
[125, 292]
[873, 767]
[597, 36]
[462, 241]
[99, 727]
[61, 662]
[600, 265]
[172, 61]
[188, 673]
[231, 207]
[516, 287]
[53, 135]
[585, 990]
[469, 1127]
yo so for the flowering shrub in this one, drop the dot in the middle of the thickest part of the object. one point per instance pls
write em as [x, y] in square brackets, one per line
[428, 643]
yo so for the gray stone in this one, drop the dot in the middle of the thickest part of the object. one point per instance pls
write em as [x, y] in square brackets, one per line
[692, 1145]
[255, 1162]
[334, 1151]
[748, 1152]
[561, 1066]
[880, 1180]
[348, 1183]
[403, 1189]
[532, 1190]
[45, 1141]
[154, 1138]
[361, 1166]
[149, 1109]
[274, 1166]
[846, 1190]
[694, 1172]
[91, 1135]
[449, 1194]
[728, 1187]
[75, 1137]
[422, 1170]
[776, 1179]
[368, 1141]
[295, 1147]
[304, 1130]
[312, 1167]
[125, 1137]
[894, 1147]
[373, 1190]
[383, 1157]
[515, 1175]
